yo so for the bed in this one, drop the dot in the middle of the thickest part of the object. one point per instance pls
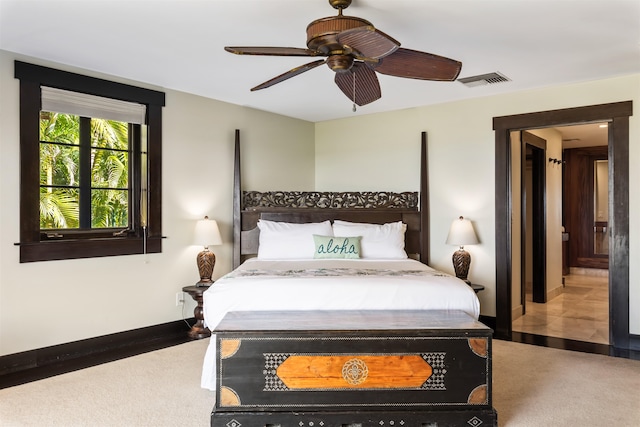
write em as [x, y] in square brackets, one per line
[352, 268]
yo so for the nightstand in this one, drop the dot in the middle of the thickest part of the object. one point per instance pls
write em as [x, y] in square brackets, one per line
[198, 330]
[476, 288]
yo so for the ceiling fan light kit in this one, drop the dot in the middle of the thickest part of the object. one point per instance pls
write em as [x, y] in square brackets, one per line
[355, 50]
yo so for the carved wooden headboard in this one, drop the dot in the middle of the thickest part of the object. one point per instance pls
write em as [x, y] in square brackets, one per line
[313, 206]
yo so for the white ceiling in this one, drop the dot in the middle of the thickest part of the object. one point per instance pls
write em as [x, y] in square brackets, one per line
[178, 44]
[587, 135]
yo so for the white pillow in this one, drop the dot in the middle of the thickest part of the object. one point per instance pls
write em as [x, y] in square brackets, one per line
[379, 241]
[285, 240]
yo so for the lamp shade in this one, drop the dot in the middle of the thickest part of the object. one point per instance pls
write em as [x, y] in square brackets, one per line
[461, 233]
[207, 233]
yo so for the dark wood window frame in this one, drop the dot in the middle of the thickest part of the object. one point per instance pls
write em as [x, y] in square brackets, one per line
[88, 245]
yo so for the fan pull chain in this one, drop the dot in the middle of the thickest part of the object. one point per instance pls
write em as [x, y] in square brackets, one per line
[354, 91]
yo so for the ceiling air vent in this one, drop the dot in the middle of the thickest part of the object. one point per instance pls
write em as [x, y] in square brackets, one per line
[483, 79]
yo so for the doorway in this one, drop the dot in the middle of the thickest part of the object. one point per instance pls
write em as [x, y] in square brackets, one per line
[534, 219]
[568, 298]
[617, 115]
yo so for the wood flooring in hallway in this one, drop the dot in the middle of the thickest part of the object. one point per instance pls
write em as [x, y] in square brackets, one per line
[580, 313]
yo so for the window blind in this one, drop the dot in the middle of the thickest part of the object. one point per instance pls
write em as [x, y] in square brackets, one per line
[85, 105]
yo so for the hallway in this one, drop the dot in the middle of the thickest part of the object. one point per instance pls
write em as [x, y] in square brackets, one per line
[580, 313]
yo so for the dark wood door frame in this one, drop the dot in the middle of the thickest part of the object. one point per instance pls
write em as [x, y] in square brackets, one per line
[617, 115]
[539, 212]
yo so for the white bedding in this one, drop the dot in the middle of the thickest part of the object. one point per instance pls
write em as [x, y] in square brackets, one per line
[336, 284]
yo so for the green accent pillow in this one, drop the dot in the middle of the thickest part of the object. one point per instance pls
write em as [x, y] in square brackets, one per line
[337, 247]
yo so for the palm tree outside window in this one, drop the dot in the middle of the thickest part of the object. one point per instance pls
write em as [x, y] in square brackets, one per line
[65, 167]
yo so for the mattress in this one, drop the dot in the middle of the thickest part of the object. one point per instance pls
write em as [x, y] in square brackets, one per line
[333, 284]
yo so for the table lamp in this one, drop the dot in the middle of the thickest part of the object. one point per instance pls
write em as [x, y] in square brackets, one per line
[206, 234]
[461, 233]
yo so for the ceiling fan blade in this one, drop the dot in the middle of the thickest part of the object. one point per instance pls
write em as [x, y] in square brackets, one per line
[360, 84]
[368, 42]
[271, 51]
[414, 64]
[291, 73]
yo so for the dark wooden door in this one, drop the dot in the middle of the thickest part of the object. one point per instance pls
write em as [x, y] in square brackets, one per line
[578, 206]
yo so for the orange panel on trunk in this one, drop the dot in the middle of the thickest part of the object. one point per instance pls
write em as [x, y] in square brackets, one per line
[354, 371]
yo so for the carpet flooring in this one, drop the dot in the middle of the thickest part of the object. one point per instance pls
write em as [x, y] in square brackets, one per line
[532, 386]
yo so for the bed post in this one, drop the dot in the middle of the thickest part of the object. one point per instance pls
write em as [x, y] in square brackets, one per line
[424, 201]
[237, 200]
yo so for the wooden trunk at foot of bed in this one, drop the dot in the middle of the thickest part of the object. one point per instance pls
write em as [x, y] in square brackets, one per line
[352, 368]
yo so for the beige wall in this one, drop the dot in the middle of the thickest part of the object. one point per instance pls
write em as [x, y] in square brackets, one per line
[54, 302]
[516, 224]
[553, 180]
[381, 150]
[554, 209]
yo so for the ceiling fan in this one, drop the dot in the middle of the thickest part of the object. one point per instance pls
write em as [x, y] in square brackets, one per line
[356, 50]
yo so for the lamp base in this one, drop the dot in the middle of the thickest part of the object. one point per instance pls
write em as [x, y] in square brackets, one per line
[461, 261]
[206, 260]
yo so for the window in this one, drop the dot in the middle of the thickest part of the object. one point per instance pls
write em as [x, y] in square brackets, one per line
[90, 166]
